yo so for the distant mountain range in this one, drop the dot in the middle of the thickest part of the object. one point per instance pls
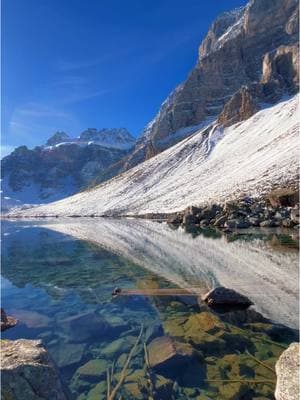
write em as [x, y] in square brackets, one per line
[61, 167]
[243, 82]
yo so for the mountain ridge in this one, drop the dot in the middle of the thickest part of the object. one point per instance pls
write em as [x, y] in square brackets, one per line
[216, 164]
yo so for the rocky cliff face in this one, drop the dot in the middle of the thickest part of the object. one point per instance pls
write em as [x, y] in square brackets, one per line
[62, 167]
[249, 56]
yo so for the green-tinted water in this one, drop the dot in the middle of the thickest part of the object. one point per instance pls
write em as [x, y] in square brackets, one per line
[59, 287]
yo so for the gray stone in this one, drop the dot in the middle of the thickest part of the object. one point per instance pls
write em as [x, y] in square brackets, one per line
[268, 224]
[288, 372]
[28, 372]
[254, 221]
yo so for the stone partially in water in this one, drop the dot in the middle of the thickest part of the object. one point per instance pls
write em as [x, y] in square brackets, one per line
[224, 297]
[288, 372]
[167, 356]
[7, 321]
[28, 372]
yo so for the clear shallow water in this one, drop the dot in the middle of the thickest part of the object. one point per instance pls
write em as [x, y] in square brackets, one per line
[59, 287]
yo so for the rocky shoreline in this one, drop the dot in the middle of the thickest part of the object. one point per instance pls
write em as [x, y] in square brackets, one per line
[279, 209]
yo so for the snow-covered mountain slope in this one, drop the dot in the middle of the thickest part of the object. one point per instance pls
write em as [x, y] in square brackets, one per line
[215, 164]
[267, 277]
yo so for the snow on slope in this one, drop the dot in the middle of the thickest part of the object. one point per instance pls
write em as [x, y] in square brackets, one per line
[248, 158]
[254, 268]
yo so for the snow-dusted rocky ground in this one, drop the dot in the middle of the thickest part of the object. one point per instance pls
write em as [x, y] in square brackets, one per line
[214, 164]
[268, 276]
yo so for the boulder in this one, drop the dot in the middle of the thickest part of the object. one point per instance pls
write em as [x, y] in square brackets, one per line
[287, 223]
[166, 355]
[283, 197]
[288, 372]
[7, 321]
[224, 297]
[254, 221]
[269, 223]
[237, 223]
[28, 372]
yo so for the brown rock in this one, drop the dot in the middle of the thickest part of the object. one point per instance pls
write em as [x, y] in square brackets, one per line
[7, 321]
[166, 354]
[283, 197]
[239, 108]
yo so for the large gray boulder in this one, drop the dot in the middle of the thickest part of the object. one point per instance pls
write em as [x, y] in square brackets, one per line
[28, 373]
[288, 374]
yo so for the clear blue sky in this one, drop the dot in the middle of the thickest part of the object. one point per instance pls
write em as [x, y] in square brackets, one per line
[73, 64]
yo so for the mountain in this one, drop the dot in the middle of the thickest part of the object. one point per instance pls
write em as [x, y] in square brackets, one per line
[217, 163]
[227, 131]
[248, 57]
[61, 167]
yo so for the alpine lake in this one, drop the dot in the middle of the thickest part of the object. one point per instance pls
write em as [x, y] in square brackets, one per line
[58, 278]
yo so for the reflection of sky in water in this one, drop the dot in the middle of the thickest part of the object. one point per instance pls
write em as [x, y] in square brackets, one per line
[51, 279]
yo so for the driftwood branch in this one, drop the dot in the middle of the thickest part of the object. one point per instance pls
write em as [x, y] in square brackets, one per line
[113, 393]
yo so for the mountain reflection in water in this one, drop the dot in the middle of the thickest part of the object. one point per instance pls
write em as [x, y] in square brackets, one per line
[260, 265]
[58, 276]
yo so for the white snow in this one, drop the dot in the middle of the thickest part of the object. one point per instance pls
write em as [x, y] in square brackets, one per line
[116, 138]
[248, 158]
[268, 276]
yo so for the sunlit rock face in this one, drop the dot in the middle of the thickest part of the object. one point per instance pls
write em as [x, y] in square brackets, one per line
[240, 47]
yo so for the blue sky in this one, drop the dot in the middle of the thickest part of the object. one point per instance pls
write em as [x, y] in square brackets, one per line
[74, 64]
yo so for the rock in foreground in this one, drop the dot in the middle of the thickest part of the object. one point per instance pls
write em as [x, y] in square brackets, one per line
[28, 372]
[288, 374]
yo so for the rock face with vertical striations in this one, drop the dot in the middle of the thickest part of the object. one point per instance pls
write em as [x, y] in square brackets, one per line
[249, 56]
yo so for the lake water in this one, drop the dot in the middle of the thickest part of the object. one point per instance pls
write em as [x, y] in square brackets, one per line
[58, 276]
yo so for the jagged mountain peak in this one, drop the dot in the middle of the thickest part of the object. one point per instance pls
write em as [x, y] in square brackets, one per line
[231, 57]
[56, 138]
[112, 137]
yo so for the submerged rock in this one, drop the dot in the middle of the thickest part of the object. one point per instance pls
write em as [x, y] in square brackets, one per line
[7, 321]
[28, 372]
[166, 355]
[224, 297]
[287, 371]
